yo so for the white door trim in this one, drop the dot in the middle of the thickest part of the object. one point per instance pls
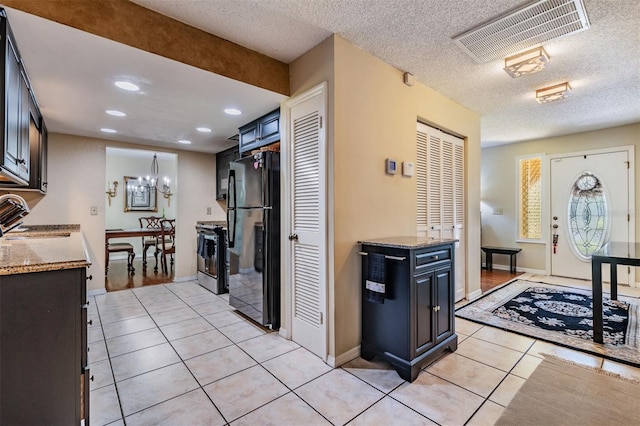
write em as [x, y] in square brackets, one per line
[630, 150]
[287, 202]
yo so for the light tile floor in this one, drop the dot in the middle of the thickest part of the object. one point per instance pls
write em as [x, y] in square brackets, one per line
[176, 354]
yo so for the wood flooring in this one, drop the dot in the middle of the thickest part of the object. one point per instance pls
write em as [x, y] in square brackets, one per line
[493, 278]
[118, 277]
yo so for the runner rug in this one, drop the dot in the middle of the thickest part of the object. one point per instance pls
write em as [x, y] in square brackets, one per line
[562, 315]
[562, 393]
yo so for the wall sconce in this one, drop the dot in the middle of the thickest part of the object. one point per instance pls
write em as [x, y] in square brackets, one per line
[528, 62]
[553, 93]
[167, 194]
[112, 192]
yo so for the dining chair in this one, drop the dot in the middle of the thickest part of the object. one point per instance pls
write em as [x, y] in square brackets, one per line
[149, 222]
[167, 243]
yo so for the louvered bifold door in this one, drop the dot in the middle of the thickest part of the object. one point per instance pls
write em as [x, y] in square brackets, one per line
[308, 234]
[434, 186]
[440, 192]
[422, 181]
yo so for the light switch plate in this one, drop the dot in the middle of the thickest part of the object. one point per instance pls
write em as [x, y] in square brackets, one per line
[407, 168]
[498, 211]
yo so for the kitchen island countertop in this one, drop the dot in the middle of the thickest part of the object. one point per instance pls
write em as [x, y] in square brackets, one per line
[406, 242]
[43, 248]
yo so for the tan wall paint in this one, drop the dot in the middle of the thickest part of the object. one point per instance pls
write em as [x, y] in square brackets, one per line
[374, 117]
[77, 181]
[499, 184]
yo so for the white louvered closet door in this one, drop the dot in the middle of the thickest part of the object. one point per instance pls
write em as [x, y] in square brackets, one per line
[440, 193]
[308, 248]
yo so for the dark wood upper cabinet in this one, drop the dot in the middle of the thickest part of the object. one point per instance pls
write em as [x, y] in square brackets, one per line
[23, 148]
[223, 159]
[260, 132]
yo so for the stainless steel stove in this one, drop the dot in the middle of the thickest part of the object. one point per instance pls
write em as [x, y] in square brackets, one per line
[212, 258]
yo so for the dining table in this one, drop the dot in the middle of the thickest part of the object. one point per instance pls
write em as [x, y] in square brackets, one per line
[127, 233]
[613, 253]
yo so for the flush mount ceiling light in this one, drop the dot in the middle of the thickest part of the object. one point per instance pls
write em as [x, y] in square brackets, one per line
[528, 62]
[127, 85]
[105, 130]
[232, 111]
[553, 93]
[184, 142]
[115, 113]
[203, 129]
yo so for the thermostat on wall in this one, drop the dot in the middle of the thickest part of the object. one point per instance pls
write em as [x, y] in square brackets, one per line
[392, 166]
[407, 168]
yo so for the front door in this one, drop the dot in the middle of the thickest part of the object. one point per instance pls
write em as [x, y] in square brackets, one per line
[590, 202]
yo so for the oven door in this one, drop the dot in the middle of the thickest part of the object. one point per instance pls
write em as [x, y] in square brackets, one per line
[207, 261]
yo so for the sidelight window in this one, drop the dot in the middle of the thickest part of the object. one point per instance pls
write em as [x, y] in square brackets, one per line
[530, 198]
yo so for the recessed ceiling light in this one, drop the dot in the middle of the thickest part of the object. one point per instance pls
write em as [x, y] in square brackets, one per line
[184, 141]
[203, 129]
[127, 85]
[105, 130]
[115, 113]
[233, 111]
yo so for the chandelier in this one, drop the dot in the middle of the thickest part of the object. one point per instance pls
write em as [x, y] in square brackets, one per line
[152, 181]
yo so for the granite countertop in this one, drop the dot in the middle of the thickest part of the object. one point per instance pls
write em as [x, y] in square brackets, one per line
[43, 248]
[407, 242]
[222, 223]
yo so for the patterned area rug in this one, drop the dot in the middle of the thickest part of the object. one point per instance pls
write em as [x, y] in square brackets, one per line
[561, 315]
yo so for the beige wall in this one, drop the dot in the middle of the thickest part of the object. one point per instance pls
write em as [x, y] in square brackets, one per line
[374, 117]
[77, 181]
[499, 184]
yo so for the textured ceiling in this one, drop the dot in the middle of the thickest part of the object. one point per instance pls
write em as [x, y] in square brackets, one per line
[71, 70]
[602, 63]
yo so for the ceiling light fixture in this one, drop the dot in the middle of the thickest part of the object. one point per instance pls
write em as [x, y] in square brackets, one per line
[184, 141]
[116, 113]
[232, 111]
[553, 93]
[127, 85]
[203, 129]
[528, 62]
[152, 181]
[105, 130]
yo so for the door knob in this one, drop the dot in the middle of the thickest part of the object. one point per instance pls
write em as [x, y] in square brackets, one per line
[293, 237]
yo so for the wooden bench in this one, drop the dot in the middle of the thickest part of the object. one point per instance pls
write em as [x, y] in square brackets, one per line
[118, 247]
[490, 251]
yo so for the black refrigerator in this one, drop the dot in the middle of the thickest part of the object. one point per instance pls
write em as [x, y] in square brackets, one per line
[253, 225]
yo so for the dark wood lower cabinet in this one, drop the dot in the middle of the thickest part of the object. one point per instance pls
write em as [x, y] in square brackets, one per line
[43, 348]
[413, 323]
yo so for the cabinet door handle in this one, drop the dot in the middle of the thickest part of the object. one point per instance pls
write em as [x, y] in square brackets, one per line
[90, 277]
[21, 161]
[436, 308]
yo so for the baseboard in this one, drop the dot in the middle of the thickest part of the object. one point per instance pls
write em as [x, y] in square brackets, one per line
[184, 279]
[474, 295]
[284, 333]
[518, 269]
[98, 292]
[344, 357]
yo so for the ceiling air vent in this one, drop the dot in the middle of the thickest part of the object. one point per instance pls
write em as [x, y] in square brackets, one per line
[524, 28]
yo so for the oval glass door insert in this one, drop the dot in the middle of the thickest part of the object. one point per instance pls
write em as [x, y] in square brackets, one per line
[588, 216]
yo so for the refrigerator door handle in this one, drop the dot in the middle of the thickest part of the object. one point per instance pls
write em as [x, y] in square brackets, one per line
[232, 190]
[231, 232]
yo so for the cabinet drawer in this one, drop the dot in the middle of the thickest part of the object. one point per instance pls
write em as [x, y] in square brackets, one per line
[429, 258]
[432, 256]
